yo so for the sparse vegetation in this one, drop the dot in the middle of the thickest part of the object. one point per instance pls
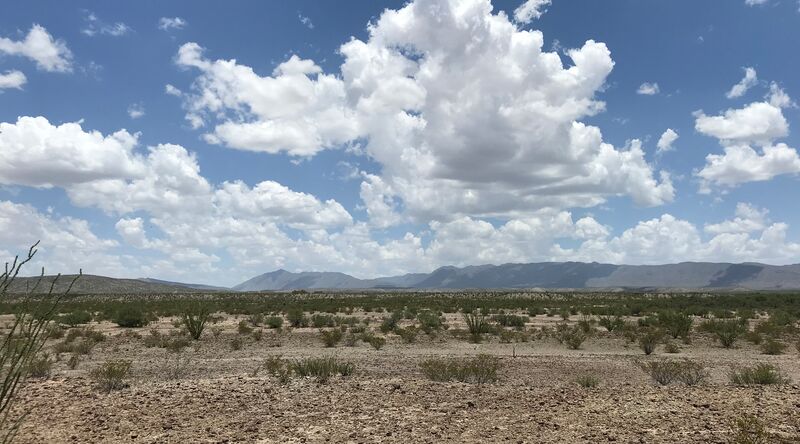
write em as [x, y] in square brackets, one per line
[129, 316]
[331, 337]
[321, 369]
[111, 374]
[194, 318]
[481, 369]
[664, 371]
[759, 374]
[588, 381]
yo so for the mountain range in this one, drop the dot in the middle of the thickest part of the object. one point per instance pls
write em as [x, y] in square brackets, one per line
[563, 275]
[545, 275]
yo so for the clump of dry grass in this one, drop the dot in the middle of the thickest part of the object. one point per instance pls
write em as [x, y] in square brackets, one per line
[478, 370]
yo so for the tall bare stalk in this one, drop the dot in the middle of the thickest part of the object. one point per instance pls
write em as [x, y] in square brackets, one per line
[23, 339]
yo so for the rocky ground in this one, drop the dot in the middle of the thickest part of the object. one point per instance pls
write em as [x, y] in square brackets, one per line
[215, 396]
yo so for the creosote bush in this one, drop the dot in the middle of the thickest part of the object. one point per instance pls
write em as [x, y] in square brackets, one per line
[748, 429]
[666, 371]
[588, 381]
[111, 374]
[75, 318]
[40, 366]
[321, 369]
[759, 374]
[773, 347]
[130, 316]
[478, 370]
[649, 339]
[331, 337]
[377, 342]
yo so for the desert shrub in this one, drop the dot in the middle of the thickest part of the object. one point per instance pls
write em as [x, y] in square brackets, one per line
[429, 321]
[130, 316]
[389, 323]
[73, 361]
[256, 319]
[759, 374]
[588, 381]
[748, 429]
[478, 370]
[611, 323]
[216, 331]
[377, 342]
[75, 318]
[666, 371]
[40, 366]
[509, 320]
[649, 339]
[350, 340]
[506, 336]
[573, 336]
[322, 320]
[477, 326]
[244, 328]
[257, 335]
[754, 337]
[408, 334]
[586, 324]
[675, 324]
[176, 366]
[773, 347]
[671, 347]
[111, 374]
[331, 337]
[236, 343]
[691, 373]
[274, 322]
[727, 331]
[322, 369]
[174, 343]
[296, 318]
[194, 318]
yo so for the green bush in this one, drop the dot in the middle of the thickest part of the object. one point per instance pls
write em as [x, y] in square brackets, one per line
[478, 370]
[611, 323]
[408, 334]
[244, 328]
[429, 321]
[297, 318]
[588, 381]
[75, 318]
[40, 366]
[477, 326]
[236, 343]
[675, 324]
[389, 324]
[322, 320]
[274, 322]
[331, 337]
[111, 374]
[649, 339]
[666, 371]
[773, 347]
[509, 320]
[748, 429]
[377, 342]
[760, 374]
[322, 369]
[194, 317]
[130, 316]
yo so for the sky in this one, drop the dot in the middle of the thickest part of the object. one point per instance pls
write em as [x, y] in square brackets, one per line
[209, 142]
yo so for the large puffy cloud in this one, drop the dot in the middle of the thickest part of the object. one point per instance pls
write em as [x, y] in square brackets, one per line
[469, 116]
[748, 136]
[757, 122]
[39, 46]
[297, 110]
[465, 112]
[35, 152]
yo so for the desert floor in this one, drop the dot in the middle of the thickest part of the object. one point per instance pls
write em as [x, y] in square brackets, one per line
[214, 396]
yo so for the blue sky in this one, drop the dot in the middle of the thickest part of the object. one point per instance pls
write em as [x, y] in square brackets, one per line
[200, 141]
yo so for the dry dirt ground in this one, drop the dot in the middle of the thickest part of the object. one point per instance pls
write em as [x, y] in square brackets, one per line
[215, 398]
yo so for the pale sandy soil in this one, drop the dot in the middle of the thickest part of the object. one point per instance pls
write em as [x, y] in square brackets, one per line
[388, 399]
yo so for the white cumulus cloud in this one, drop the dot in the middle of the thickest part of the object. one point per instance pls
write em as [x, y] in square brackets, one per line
[48, 53]
[749, 80]
[648, 89]
[666, 140]
[12, 79]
